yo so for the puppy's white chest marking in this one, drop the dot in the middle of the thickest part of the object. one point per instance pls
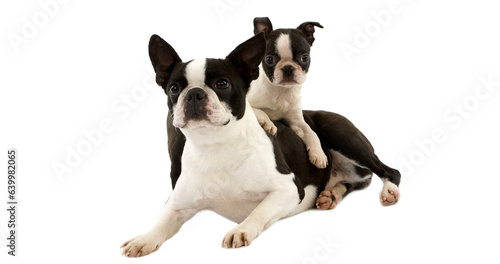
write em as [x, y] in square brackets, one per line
[276, 101]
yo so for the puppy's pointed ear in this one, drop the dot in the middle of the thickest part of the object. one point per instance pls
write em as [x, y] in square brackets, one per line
[248, 55]
[262, 24]
[164, 58]
[307, 29]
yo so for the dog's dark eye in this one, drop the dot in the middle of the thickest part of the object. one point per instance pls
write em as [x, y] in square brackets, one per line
[304, 58]
[174, 89]
[222, 84]
[270, 60]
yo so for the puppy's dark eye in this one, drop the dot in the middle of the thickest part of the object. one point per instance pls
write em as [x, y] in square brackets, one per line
[270, 60]
[174, 89]
[304, 58]
[222, 84]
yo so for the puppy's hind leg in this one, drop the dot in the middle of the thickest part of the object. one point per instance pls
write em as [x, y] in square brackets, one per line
[390, 193]
[330, 198]
[339, 134]
[345, 177]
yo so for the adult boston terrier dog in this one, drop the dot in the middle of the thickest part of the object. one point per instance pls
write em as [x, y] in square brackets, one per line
[276, 93]
[231, 165]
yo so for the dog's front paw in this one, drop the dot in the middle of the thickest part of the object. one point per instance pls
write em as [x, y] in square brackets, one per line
[318, 157]
[142, 245]
[390, 194]
[269, 126]
[239, 237]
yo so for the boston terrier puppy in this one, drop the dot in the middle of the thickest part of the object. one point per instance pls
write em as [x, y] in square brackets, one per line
[276, 93]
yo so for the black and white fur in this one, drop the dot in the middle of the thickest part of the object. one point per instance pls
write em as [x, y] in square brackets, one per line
[276, 94]
[222, 160]
[231, 165]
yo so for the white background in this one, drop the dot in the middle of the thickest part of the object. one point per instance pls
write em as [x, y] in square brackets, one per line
[404, 84]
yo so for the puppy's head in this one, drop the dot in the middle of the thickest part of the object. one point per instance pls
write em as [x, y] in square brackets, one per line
[287, 57]
[206, 92]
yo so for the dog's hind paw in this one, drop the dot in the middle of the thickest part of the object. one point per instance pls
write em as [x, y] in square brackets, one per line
[328, 199]
[389, 194]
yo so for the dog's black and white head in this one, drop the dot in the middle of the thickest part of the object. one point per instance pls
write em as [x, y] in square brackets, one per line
[287, 56]
[209, 93]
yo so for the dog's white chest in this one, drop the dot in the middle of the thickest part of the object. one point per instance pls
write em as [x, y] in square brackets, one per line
[230, 193]
[233, 197]
[231, 179]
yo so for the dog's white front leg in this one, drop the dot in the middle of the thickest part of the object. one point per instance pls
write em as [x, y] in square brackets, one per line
[277, 204]
[303, 130]
[265, 122]
[169, 222]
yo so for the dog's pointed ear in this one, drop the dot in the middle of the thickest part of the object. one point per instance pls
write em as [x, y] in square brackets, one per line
[248, 55]
[163, 57]
[307, 29]
[262, 24]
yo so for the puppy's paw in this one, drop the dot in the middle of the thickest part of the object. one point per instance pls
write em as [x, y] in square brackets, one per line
[142, 245]
[328, 199]
[318, 157]
[269, 126]
[389, 194]
[239, 237]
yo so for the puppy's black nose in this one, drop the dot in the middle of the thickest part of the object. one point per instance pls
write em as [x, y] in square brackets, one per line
[287, 71]
[195, 95]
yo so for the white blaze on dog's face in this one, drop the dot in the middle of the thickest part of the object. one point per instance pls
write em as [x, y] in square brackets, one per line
[206, 93]
[288, 64]
[197, 104]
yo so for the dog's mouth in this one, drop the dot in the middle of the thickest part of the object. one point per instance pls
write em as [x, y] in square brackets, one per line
[288, 82]
[202, 118]
[196, 117]
[200, 110]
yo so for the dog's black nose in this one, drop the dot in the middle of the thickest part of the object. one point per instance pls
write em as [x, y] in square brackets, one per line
[287, 71]
[195, 95]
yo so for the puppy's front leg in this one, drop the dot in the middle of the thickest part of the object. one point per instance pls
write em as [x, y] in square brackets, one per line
[169, 222]
[316, 154]
[276, 205]
[265, 122]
